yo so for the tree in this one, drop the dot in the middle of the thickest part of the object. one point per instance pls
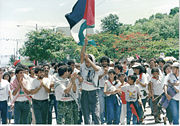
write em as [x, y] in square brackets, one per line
[141, 21]
[12, 59]
[47, 45]
[174, 11]
[111, 24]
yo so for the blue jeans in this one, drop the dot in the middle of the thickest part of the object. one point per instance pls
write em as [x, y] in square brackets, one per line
[102, 104]
[113, 109]
[129, 113]
[21, 112]
[3, 109]
[52, 102]
[40, 108]
[174, 107]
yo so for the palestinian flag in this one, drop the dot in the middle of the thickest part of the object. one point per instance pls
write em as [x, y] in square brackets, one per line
[81, 17]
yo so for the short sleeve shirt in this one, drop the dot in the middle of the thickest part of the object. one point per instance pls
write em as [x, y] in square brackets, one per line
[90, 78]
[60, 85]
[131, 92]
[4, 88]
[42, 94]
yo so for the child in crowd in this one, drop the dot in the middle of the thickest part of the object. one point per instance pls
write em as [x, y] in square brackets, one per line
[113, 102]
[156, 89]
[132, 95]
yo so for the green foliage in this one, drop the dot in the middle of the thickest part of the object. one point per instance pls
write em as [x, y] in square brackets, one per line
[158, 26]
[111, 24]
[46, 45]
[12, 59]
[174, 11]
[147, 38]
[122, 46]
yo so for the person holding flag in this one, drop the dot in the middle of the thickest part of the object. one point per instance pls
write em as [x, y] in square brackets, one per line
[89, 97]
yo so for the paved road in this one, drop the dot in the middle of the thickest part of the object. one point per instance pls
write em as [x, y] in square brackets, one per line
[149, 119]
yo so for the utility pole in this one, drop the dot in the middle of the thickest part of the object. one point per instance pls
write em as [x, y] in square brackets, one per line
[36, 27]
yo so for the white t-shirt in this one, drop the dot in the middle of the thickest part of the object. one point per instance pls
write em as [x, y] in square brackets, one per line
[157, 85]
[60, 85]
[92, 83]
[104, 78]
[131, 92]
[111, 86]
[143, 80]
[173, 79]
[4, 88]
[42, 94]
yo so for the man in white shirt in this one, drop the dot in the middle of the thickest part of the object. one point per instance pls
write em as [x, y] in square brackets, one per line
[39, 90]
[52, 99]
[4, 91]
[89, 97]
[65, 92]
[20, 91]
[102, 78]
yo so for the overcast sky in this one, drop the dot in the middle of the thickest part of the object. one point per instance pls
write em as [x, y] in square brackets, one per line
[48, 13]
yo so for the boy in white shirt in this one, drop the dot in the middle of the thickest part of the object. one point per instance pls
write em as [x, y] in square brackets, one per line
[156, 91]
[132, 96]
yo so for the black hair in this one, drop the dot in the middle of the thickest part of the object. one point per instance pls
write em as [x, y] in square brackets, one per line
[70, 62]
[90, 57]
[133, 77]
[121, 74]
[165, 67]
[155, 69]
[60, 64]
[53, 64]
[170, 62]
[104, 58]
[7, 73]
[18, 69]
[21, 66]
[141, 69]
[119, 67]
[46, 65]
[10, 72]
[62, 70]
[70, 69]
[112, 71]
[37, 69]
[160, 60]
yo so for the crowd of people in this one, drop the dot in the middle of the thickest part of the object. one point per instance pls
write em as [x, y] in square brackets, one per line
[91, 92]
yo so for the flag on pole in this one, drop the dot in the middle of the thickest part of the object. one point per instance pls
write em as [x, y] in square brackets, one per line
[81, 17]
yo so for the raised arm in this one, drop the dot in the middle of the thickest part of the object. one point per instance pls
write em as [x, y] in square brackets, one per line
[83, 50]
